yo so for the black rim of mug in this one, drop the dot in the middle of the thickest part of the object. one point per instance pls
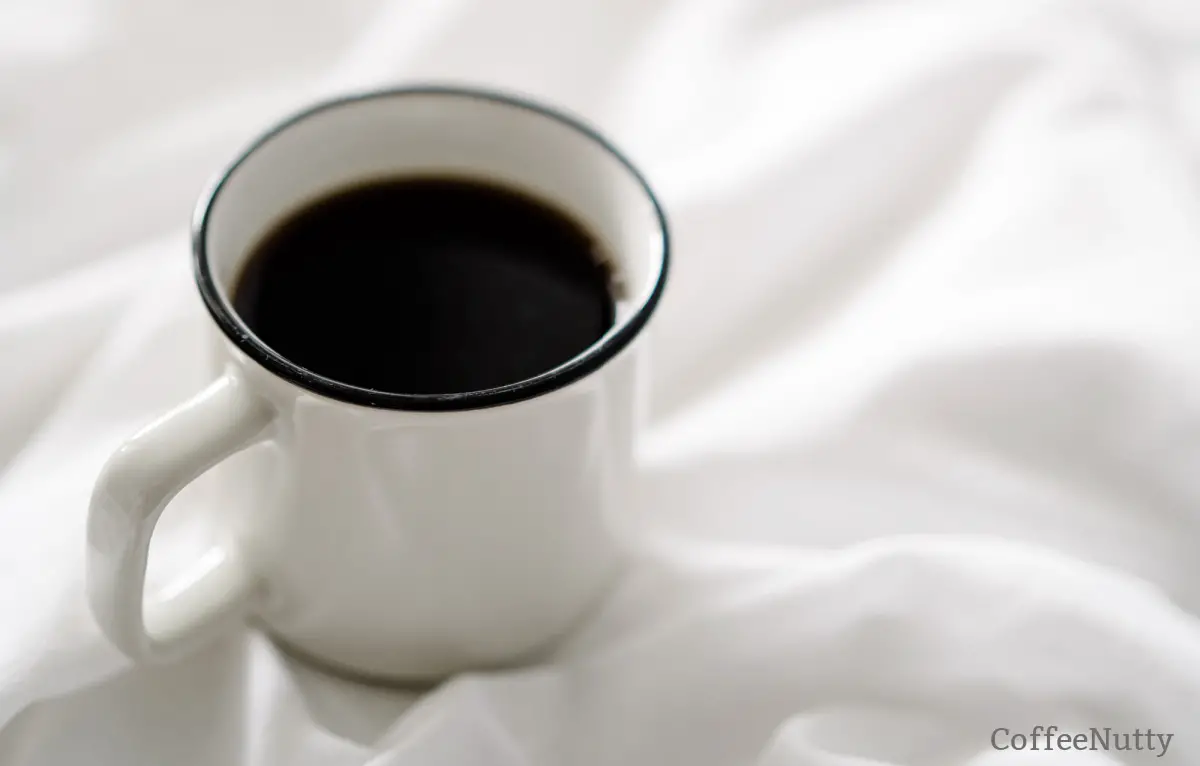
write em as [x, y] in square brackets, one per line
[575, 369]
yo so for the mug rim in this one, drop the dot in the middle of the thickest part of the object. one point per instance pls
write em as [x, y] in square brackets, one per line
[578, 367]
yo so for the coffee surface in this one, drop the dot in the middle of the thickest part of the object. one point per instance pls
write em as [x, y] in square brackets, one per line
[427, 286]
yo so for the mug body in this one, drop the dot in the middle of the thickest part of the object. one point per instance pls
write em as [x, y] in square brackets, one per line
[410, 545]
[408, 537]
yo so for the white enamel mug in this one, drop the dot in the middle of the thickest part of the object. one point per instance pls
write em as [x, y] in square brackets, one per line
[398, 537]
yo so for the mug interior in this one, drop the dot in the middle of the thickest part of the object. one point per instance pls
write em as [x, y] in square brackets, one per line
[443, 132]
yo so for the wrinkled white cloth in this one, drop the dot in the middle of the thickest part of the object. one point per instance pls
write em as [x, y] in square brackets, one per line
[924, 456]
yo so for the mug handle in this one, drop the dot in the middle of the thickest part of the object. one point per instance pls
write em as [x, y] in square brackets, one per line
[133, 489]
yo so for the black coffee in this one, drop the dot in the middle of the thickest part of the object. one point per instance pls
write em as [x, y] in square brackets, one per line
[426, 285]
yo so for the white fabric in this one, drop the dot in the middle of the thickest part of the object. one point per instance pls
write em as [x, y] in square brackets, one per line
[925, 444]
